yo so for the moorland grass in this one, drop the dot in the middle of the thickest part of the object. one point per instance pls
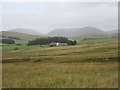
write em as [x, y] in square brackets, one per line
[48, 75]
[80, 66]
[21, 47]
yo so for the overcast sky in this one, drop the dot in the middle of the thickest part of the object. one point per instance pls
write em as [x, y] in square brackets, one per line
[47, 16]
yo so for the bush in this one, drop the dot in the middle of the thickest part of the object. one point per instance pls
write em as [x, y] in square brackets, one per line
[37, 60]
[41, 45]
[51, 45]
[16, 48]
[26, 59]
[70, 42]
[18, 44]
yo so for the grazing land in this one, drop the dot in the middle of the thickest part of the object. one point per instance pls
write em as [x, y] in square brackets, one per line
[24, 38]
[88, 65]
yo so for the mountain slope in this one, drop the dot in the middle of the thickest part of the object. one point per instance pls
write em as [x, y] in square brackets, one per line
[91, 36]
[112, 32]
[26, 31]
[24, 38]
[72, 32]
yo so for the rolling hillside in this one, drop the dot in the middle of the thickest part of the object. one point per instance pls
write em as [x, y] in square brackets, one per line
[73, 32]
[94, 36]
[80, 66]
[112, 32]
[84, 33]
[26, 31]
[24, 38]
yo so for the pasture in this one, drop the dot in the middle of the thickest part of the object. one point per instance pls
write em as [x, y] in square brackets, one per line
[80, 66]
[21, 47]
[24, 37]
[97, 41]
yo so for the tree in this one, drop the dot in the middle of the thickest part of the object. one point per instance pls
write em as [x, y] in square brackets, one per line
[69, 42]
[74, 42]
[48, 40]
[7, 41]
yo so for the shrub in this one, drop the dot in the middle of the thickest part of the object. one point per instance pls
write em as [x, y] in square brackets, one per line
[37, 60]
[26, 59]
[16, 48]
[51, 45]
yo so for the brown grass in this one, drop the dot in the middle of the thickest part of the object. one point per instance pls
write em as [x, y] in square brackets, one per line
[81, 66]
[37, 75]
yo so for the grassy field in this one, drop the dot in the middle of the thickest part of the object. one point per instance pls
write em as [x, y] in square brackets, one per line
[96, 41]
[24, 37]
[39, 75]
[80, 66]
[22, 47]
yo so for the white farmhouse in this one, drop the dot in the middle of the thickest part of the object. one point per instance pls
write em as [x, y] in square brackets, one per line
[58, 44]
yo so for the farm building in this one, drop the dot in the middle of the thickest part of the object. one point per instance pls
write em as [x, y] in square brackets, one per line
[58, 44]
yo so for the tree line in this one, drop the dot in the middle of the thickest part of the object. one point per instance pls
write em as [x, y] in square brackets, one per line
[43, 41]
[48, 40]
[7, 41]
[10, 37]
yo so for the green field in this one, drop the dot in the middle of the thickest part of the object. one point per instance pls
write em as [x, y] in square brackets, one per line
[86, 65]
[97, 41]
[22, 47]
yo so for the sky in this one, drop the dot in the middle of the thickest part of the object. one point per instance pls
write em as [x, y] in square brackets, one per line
[47, 16]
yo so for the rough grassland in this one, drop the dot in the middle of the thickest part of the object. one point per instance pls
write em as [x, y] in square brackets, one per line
[81, 66]
[24, 37]
[37, 75]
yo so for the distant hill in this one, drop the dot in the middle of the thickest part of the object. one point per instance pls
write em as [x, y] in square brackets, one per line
[73, 32]
[112, 32]
[24, 38]
[26, 31]
[91, 36]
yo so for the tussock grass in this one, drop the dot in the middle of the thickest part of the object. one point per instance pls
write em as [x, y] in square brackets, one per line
[80, 66]
[37, 75]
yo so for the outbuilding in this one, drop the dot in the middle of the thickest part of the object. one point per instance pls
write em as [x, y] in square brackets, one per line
[58, 44]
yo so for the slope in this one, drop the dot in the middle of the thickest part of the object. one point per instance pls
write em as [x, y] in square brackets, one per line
[24, 38]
